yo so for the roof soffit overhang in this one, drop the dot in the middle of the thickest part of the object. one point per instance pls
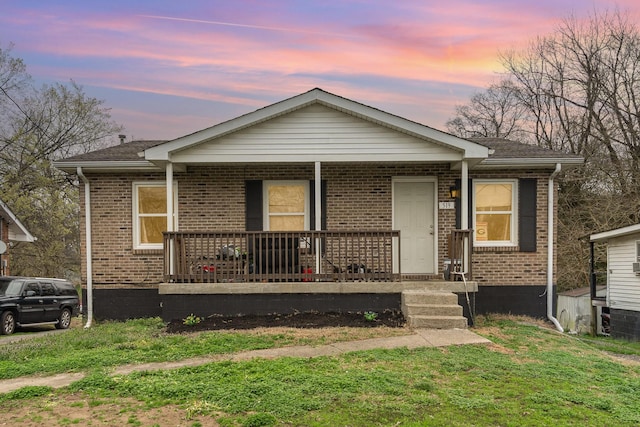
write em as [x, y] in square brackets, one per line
[528, 163]
[460, 148]
[108, 166]
[612, 234]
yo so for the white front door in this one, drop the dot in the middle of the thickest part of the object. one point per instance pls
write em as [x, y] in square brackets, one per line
[413, 215]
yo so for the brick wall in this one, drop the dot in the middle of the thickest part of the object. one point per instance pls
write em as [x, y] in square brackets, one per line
[114, 261]
[509, 266]
[358, 197]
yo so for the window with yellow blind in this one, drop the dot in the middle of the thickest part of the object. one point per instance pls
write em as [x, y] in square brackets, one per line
[495, 212]
[285, 205]
[150, 213]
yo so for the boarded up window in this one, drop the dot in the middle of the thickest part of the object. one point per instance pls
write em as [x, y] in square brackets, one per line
[286, 205]
[152, 213]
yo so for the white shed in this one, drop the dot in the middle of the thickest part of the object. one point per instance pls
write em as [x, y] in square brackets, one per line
[623, 279]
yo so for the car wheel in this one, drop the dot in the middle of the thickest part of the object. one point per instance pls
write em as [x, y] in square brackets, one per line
[65, 319]
[7, 323]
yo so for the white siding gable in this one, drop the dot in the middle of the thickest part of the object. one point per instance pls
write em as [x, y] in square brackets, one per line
[624, 285]
[316, 133]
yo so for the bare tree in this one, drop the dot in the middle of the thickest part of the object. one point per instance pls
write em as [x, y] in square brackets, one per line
[13, 76]
[576, 91]
[37, 126]
[496, 112]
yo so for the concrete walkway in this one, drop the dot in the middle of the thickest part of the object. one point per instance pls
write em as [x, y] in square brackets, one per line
[419, 338]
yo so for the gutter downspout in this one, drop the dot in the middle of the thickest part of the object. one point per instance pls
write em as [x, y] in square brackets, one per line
[87, 218]
[550, 219]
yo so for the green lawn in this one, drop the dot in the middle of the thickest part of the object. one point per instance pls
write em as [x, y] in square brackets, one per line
[530, 376]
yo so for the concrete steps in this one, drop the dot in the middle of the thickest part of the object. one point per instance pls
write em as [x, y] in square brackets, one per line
[432, 309]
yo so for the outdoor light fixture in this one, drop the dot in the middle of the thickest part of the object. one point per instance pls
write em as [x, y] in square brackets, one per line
[454, 192]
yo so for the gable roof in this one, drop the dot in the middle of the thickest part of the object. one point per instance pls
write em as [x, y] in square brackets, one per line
[17, 231]
[419, 139]
[317, 96]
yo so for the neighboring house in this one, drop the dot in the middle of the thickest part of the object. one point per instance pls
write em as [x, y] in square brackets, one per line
[622, 280]
[315, 203]
[11, 230]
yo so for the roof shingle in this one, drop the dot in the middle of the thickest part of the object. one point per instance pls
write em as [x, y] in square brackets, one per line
[126, 151]
[502, 149]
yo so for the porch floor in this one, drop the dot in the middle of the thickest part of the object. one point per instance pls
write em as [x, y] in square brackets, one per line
[314, 287]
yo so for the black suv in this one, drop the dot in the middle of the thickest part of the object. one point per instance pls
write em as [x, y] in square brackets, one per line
[36, 301]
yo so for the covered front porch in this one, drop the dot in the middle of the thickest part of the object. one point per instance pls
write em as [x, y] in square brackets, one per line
[263, 272]
[301, 256]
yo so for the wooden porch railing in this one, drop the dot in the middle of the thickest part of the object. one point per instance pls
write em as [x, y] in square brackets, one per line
[460, 250]
[209, 257]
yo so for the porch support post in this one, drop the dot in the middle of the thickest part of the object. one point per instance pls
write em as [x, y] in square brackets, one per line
[318, 213]
[169, 181]
[464, 196]
[318, 196]
[464, 213]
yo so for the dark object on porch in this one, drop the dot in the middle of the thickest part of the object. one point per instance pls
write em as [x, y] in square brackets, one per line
[358, 269]
[277, 258]
[229, 252]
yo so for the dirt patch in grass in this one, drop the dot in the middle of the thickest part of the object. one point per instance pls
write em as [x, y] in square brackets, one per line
[308, 320]
[81, 410]
[626, 359]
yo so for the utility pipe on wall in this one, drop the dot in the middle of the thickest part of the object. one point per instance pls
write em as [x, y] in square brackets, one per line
[87, 219]
[550, 219]
[170, 214]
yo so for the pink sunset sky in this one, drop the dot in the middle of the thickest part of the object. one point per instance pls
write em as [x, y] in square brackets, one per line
[170, 68]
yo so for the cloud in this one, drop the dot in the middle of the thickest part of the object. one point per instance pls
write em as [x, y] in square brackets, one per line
[255, 27]
[413, 58]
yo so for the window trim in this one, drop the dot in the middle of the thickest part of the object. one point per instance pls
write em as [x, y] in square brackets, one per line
[137, 245]
[637, 250]
[514, 213]
[265, 200]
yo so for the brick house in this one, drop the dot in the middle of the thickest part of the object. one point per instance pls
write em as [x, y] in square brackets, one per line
[316, 202]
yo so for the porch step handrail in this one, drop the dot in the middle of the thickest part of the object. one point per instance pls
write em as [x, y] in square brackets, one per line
[460, 250]
[289, 256]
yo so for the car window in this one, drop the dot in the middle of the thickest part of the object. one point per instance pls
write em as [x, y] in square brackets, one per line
[32, 287]
[47, 289]
[10, 287]
[65, 289]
